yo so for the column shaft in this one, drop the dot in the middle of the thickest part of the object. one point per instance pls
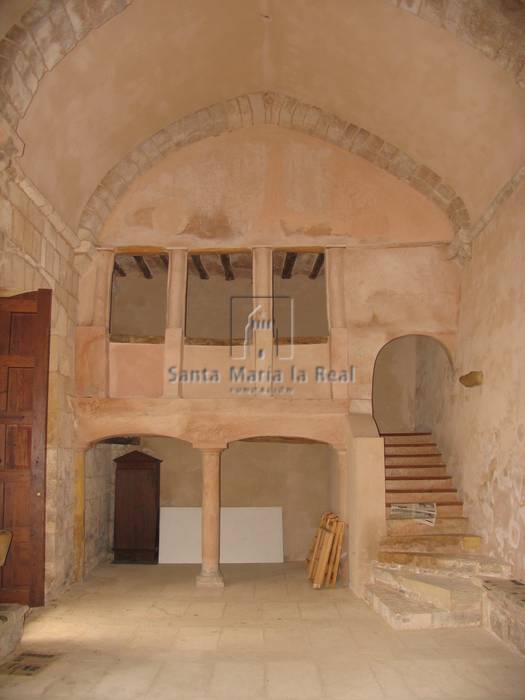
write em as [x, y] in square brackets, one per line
[175, 319]
[210, 575]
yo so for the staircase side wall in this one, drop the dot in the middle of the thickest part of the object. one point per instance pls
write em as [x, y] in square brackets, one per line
[481, 430]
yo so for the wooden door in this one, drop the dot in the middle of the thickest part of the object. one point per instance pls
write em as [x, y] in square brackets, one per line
[137, 508]
[24, 363]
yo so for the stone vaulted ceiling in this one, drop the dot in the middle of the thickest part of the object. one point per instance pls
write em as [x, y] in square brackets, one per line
[85, 82]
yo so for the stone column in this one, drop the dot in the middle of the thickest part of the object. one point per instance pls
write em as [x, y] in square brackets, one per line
[210, 575]
[175, 318]
[92, 333]
[335, 290]
[262, 291]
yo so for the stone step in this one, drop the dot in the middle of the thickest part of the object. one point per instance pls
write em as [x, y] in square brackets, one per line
[418, 484]
[415, 471]
[405, 449]
[405, 613]
[444, 510]
[407, 438]
[411, 526]
[409, 496]
[432, 542]
[407, 460]
[457, 564]
[451, 593]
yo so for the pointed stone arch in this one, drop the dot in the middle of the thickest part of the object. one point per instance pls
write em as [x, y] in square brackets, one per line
[275, 109]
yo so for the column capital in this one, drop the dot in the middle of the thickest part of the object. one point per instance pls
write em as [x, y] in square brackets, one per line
[210, 449]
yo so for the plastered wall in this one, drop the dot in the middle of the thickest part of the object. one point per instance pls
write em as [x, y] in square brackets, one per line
[208, 306]
[482, 429]
[394, 389]
[267, 186]
[138, 306]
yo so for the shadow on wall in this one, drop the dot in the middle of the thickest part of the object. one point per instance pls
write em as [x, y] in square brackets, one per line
[409, 373]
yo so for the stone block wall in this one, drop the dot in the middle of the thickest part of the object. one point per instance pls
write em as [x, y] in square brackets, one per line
[99, 504]
[481, 430]
[35, 254]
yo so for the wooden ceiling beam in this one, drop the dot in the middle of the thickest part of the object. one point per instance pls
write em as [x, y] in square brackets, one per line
[227, 266]
[143, 267]
[288, 266]
[197, 262]
[118, 269]
[317, 266]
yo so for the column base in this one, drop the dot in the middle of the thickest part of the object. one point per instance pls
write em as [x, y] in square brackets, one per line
[212, 580]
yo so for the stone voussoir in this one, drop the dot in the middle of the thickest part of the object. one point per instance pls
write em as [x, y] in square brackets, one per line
[279, 110]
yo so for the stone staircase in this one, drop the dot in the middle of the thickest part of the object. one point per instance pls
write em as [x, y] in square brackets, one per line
[427, 576]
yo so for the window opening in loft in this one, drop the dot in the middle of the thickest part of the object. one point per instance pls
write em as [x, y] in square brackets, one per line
[138, 298]
[214, 279]
[299, 291]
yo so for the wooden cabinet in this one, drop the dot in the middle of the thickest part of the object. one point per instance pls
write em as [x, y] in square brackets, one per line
[137, 508]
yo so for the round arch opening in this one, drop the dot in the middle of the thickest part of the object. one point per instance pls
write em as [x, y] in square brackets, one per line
[411, 375]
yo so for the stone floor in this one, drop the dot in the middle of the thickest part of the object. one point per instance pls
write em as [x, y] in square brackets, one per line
[146, 632]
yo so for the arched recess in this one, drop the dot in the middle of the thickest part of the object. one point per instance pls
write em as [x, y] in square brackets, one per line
[300, 476]
[198, 422]
[180, 484]
[269, 108]
[408, 373]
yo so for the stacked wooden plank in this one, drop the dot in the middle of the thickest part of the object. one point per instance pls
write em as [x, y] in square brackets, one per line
[325, 554]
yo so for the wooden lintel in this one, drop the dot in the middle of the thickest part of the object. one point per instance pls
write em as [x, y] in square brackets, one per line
[227, 266]
[137, 250]
[117, 268]
[143, 267]
[124, 440]
[126, 338]
[279, 438]
[197, 262]
[317, 267]
[288, 266]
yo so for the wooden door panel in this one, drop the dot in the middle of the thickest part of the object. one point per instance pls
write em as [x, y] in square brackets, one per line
[136, 504]
[137, 508]
[18, 563]
[20, 389]
[18, 441]
[5, 322]
[3, 388]
[24, 334]
[24, 362]
[2, 446]
[16, 513]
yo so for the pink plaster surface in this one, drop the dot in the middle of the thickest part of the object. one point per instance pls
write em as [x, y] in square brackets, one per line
[91, 369]
[135, 369]
[265, 184]
[305, 357]
[212, 422]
